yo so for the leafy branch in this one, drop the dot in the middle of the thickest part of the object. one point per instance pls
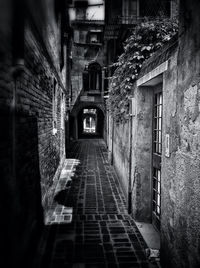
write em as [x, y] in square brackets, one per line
[144, 40]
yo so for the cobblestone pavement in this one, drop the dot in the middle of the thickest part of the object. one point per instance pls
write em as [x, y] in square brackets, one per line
[88, 225]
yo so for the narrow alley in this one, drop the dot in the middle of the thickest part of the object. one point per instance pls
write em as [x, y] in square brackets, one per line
[101, 233]
[100, 133]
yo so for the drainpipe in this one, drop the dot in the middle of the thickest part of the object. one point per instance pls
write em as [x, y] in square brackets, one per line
[130, 160]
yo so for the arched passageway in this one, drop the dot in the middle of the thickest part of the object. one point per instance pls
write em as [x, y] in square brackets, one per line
[90, 123]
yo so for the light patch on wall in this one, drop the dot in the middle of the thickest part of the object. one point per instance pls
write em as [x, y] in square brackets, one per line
[167, 154]
[95, 12]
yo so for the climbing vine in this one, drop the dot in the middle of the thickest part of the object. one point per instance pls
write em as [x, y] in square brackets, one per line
[144, 40]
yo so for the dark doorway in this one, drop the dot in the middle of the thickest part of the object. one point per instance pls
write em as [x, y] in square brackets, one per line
[90, 123]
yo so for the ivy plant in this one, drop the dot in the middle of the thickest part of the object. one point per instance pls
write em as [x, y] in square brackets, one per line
[145, 38]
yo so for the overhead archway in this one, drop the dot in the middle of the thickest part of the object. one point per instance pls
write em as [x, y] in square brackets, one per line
[90, 122]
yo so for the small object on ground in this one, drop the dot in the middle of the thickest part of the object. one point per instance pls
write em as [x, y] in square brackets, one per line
[153, 254]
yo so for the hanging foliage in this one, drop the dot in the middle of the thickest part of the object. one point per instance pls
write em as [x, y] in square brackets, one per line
[145, 39]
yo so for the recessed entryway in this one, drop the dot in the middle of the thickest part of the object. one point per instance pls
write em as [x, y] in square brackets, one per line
[90, 123]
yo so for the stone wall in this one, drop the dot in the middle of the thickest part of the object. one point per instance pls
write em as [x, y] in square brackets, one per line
[83, 53]
[31, 154]
[181, 199]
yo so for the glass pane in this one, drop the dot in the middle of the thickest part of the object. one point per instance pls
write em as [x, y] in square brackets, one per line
[156, 190]
[154, 183]
[159, 136]
[158, 210]
[158, 187]
[159, 174]
[158, 199]
[154, 195]
[160, 123]
[154, 206]
[157, 98]
[155, 135]
[160, 98]
[97, 81]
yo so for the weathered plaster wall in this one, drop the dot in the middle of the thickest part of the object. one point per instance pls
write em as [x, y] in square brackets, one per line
[120, 136]
[180, 183]
[180, 172]
[141, 153]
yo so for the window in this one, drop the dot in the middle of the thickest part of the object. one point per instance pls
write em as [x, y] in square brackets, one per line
[157, 151]
[95, 36]
[130, 8]
[80, 36]
[157, 123]
[89, 120]
[54, 108]
[111, 50]
[76, 36]
[156, 191]
[94, 70]
[155, 8]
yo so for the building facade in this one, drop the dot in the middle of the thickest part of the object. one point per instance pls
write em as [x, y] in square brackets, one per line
[87, 77]
[33, 97]
[156, 152]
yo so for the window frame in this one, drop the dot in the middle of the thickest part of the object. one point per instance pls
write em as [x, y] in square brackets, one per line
[94, 77]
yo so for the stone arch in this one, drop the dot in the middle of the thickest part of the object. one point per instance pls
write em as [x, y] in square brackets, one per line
[85, 105]
[73, 119]
[99, 122]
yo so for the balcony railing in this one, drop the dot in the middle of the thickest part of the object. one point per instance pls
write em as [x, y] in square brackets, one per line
[114, 25]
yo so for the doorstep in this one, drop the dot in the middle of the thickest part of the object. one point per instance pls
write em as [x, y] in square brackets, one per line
[150, 234]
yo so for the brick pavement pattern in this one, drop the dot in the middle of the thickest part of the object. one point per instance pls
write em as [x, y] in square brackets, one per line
[101, 233]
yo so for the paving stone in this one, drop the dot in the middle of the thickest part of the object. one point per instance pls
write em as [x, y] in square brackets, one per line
[101, 233]
[129, 265]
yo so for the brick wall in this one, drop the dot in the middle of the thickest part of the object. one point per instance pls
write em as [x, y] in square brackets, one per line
[40, 77]
[31, 154]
